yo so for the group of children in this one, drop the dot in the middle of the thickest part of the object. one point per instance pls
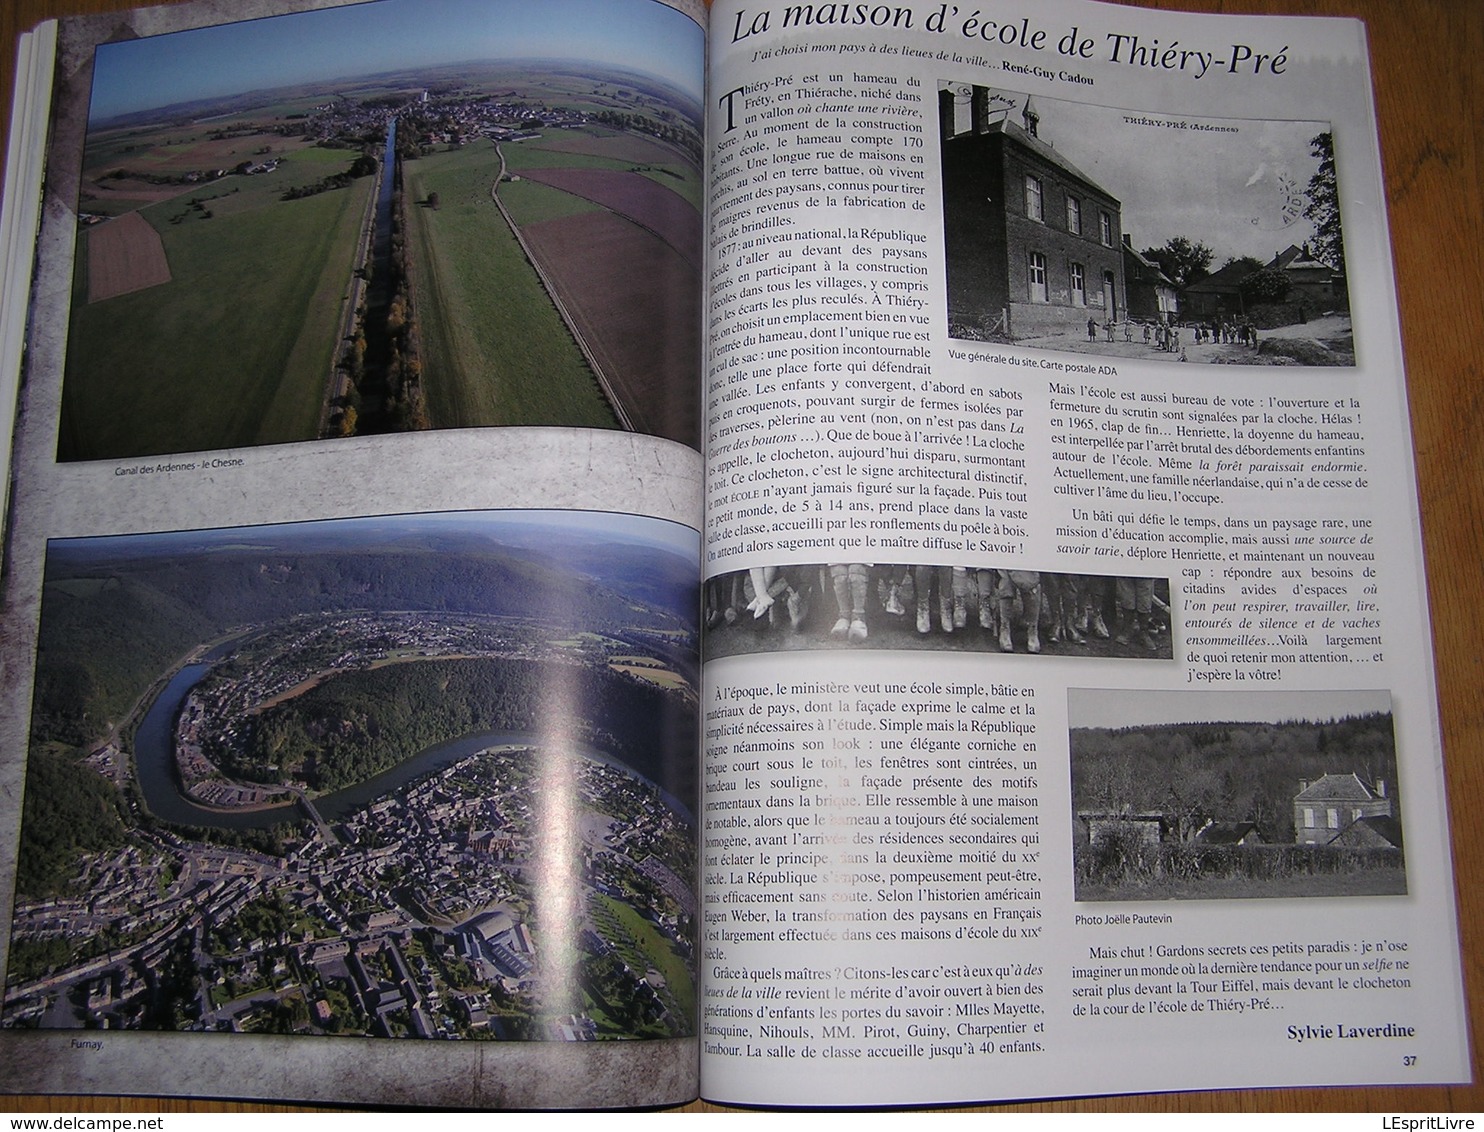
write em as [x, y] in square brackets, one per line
[1166, 337]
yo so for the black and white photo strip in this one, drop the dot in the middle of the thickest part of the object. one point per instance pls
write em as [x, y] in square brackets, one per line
[959, 608]
[1199, 795]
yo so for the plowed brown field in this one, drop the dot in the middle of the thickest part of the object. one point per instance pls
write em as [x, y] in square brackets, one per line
[635, 299]
[665, 213]
[124, 255]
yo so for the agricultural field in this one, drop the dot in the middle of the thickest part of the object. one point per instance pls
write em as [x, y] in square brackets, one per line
[597, 147]
[237, 346]
[642, 668]
[647, 203]
[634, 298]
[495, 350]
[125, 255]
[612, 221]
[125, 168]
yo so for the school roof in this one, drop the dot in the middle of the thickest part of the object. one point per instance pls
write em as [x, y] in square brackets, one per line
[1337, 788]
[1000, 124]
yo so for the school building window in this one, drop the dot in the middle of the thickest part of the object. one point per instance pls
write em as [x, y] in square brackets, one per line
[1074, 216]
[1038, 277]
[1105, 229]
[1033, 197]
[1079, 285]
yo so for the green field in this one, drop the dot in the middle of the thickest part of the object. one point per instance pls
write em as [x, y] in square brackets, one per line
[495, 351]
[236, 349]
[647, 946]
[532, 155]
[530, 202]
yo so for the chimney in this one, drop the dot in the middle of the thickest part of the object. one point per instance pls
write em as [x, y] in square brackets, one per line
[979, 109]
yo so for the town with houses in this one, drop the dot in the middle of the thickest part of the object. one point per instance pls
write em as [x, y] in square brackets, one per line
[413, 919]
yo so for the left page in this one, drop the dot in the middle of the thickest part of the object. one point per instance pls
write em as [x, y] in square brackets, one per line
[350, 639]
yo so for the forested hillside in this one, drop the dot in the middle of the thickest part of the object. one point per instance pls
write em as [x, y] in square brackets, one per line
[361, 723]
[110, 627]
[1226, 771]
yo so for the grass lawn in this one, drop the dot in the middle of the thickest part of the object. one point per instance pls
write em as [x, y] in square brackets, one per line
[1366, 882]
[495, 351]
[237, 347]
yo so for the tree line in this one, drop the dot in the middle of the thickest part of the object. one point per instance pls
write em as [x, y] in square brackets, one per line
[1228, 772]
[1186, 261]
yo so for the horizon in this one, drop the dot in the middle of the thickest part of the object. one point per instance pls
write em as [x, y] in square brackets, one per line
[385, 37]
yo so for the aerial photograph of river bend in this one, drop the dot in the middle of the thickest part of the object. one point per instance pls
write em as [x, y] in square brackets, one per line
[409, 776]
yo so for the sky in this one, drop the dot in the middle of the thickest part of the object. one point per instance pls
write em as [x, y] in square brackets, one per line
[1122, 707]
[1225, 190]
[388, 35]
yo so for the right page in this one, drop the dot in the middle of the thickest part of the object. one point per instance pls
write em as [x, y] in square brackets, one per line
[348, 618]
[1069, 715]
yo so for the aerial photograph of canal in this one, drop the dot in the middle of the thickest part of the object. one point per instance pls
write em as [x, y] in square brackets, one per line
[407, 776]
[385, 217]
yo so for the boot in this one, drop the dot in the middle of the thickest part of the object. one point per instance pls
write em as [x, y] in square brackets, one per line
[1143, 622]
[840, 583]
[1032, 601]
[893, 601]
[798, 609]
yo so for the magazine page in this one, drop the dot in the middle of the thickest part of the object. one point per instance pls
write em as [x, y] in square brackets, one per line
[1069, 719]
[350, 642]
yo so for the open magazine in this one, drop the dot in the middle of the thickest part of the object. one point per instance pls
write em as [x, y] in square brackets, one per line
[595, 554]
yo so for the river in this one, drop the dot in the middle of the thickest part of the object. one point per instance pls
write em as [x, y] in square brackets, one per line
[154, 755]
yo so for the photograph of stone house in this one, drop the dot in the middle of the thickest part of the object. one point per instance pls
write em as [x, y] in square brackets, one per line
[1214, 795]
[1340, 808]
[1030, 235]
[1100, 230]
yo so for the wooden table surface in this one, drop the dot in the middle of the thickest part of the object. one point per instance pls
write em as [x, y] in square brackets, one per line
[1428, 60]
